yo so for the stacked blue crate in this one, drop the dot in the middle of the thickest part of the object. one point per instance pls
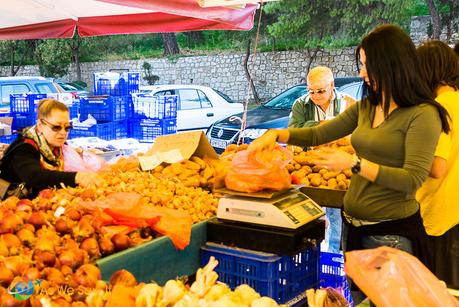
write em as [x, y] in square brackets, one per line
[153, 116]
[111, 106]
[23, 109]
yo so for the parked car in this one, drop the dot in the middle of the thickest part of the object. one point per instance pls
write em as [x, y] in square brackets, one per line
[24, 85]
[198, 106]
[272, 114]
[69, 88]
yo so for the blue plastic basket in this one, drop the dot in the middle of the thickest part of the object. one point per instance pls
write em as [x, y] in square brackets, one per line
[105, 108]
[8, 139]
[332, 274]
[25, 103]
[116, 84]
[154, 107]
[21, 121]
[279, 277]
[74, 110]
[146, 130]
[106, 131]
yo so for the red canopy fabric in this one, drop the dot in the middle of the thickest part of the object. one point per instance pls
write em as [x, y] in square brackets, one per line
[33, 19]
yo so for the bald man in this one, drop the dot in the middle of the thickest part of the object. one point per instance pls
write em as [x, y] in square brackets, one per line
[321, 102]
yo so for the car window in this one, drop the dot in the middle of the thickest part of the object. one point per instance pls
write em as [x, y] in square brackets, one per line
[189, 99]
[224, 96]
[286, 99]
[205, 102]
[44, 88]
[68, 87]
[8, 89]
[164, 93]
[353, 89]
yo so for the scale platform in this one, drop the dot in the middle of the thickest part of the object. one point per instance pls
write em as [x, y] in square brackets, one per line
[265, 238]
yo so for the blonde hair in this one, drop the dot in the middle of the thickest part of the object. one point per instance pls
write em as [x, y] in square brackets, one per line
[321, 74]
[46, 106]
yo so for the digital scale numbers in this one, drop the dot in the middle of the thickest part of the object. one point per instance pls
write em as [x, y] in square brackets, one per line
[303, 212]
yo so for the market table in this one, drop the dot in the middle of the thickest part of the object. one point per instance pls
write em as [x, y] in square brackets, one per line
[158, 260]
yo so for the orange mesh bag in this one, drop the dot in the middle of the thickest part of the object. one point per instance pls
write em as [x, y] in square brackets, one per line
[391, 277]
[254, 170]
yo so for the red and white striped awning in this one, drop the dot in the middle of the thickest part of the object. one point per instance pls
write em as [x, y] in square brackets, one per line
[32, 19]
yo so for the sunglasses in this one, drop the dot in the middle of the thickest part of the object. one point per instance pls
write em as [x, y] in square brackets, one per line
[57, 128]
[321, 91]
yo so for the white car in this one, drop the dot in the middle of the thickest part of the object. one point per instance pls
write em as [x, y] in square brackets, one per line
[198, 106]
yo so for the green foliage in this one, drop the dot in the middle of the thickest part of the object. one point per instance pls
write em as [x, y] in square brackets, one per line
[149, 76]
[53, 57]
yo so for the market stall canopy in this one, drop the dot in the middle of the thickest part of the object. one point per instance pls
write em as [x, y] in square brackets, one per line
[33, 19]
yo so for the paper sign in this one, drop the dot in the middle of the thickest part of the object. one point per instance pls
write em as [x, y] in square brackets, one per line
[170, 156]
[149, 162]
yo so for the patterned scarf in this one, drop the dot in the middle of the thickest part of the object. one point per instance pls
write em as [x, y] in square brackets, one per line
[55, 157]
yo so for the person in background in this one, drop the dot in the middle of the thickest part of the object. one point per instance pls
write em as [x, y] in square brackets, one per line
[439, 195]
[395, 128]
[34, 161]
[321, 102]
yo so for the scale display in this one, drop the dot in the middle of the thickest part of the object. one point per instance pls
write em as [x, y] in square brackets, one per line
[290, 210]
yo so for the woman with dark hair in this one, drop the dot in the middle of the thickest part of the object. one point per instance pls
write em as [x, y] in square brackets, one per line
[34, 161]
[395, 128]
[438, 195]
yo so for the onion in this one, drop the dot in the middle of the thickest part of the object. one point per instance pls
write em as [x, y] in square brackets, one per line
[123, 277]
[10, 202]
[32, 273]
[54, 276]
[24, 205]
[66, 270]
[37, 219]
[16, 264]
[26, 236]
[9, 301]
[88, 193]
[83, 230]
[121, 241]
[44, 204]
[63, 225]
[29, 226]
[72, 214]
[10, 240]
[46, 193]
[87, 275]
[6, 276]
[4, 252]
[43, 259]
[91, 246]
[10, 222]
[61, 302]
[106, 246]
[71, 257]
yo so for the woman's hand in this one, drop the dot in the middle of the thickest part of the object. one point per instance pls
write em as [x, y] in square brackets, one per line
[85, 179]
[332, 159]
[266, 141]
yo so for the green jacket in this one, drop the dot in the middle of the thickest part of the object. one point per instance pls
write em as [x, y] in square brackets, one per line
[303, 109]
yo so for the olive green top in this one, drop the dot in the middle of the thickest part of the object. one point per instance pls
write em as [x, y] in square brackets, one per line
[403, 146]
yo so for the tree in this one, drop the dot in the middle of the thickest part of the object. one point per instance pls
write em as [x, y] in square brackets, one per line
[195, 38]
[149, 76]
[170, 44]
[443, 13]
[75, 45]
[328, 23]
[16, 54]
[53, 57]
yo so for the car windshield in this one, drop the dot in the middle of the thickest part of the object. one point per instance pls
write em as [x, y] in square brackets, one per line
[286, 99]
[45, 88]
[224, 96]
[68, 87]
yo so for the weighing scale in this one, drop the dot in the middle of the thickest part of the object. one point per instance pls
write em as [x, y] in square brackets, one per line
[286, 223]
[291, 209]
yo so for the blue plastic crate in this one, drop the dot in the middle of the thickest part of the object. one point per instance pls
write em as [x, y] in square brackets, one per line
[146, 130]
[279, 277]
[104, 108]
[116, 84]
[154, 107]
[25, 103]
[8, 139]
[106, 131]
[332, 274]
[21, 121]
[74, 110]
[5, 114]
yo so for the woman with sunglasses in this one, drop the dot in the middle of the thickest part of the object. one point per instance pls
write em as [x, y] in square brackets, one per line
[35, 160]
[394, 130]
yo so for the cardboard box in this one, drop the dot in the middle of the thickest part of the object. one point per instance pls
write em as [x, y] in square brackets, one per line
[173, 148]
[158, 260]
[5, 127]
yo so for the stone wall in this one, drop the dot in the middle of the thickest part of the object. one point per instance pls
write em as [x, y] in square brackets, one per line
[272, 72]
[420, 27]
